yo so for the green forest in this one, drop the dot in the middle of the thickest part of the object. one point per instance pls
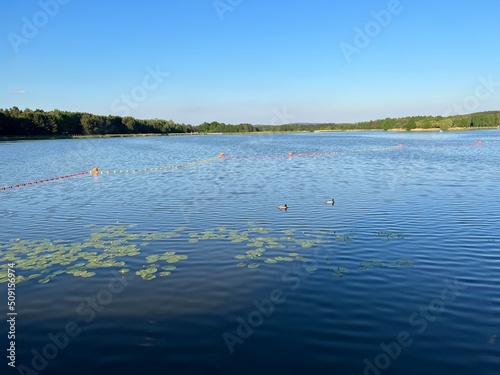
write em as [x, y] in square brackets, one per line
[38, 123]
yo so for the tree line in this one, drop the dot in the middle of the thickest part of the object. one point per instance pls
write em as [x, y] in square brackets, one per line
[16, 122]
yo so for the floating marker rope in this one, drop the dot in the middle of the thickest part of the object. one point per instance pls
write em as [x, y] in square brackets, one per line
[475, 144]
[118, 171]
[96, 171]
[291, 154]
[36, 182]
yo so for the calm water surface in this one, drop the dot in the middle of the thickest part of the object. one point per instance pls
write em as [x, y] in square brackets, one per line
[401, 276]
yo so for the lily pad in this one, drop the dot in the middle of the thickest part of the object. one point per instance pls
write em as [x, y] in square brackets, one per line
[270, 261]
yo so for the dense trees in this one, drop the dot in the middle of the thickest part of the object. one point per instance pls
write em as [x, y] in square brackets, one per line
[16, 122]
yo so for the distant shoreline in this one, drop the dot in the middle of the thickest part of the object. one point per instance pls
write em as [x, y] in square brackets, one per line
[396, 130]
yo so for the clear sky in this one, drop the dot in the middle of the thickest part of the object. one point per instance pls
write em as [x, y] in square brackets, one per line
[256, 61]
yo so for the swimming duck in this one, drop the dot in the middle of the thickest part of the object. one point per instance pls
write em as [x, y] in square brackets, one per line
[330, 201]
[283, 207]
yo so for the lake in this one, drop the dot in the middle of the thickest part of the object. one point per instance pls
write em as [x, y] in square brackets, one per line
[159, 264]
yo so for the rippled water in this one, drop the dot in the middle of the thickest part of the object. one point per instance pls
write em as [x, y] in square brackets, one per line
[401, 274]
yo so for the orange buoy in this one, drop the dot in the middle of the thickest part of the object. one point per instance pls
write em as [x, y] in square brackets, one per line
[95, 170]
[221, 154]
[290, 154]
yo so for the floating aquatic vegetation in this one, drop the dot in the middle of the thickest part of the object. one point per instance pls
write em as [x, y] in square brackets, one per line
[343, 238]
[254, 253]
[255, 243]
[270, 261]
[110, 246]
[176, 258]
[147, 273]
[340, 271]
[375, 262]
[152, 258]
[389, 236]
[81, 273]
[307, 243]
[106, 247]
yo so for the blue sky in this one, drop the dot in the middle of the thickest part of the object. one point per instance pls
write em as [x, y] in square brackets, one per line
[257, 61]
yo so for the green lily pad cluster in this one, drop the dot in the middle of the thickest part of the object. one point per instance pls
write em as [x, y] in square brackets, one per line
[111, 246]
[389, 236]
[255, 258]
[375, 262]
[253, 254]
[149, 272]
[106, 247]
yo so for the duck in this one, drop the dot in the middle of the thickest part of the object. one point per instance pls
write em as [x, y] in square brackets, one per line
[283, 207]
[330, 201]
